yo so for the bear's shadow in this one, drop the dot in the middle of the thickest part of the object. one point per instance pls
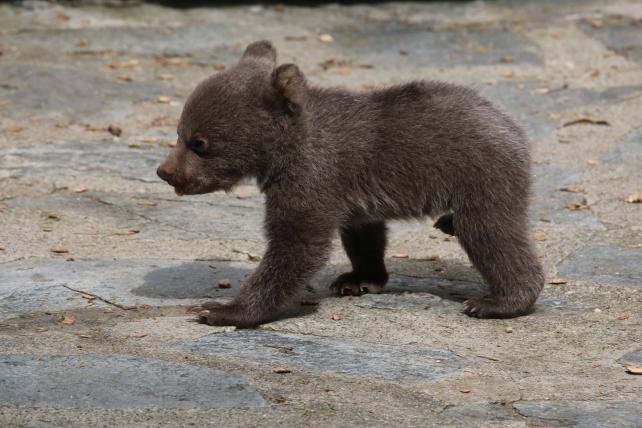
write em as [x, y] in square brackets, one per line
[194, 281]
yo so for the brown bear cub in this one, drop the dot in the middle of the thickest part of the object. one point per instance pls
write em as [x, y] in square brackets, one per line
[331, 159]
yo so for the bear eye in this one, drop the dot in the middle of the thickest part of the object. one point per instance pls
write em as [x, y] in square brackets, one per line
[197, 145]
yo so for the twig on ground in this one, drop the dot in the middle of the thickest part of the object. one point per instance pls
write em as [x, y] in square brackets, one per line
[109, 302]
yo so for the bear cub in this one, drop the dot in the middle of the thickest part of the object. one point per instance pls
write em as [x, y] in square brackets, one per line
[333, 160]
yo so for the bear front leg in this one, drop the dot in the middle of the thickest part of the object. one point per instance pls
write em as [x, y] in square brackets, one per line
[298, 246]
[365, 245]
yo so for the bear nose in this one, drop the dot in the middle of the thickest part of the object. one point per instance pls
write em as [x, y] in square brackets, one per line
[164, 174]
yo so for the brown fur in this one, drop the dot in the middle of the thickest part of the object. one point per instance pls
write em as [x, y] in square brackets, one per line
[331, 159]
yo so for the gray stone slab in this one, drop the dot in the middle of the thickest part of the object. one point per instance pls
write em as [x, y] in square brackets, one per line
[550, 202]
[480, 412]
[93, 159]
[330, 355]
[118, 382]
[380, 42]
[36, 285]
[197, 39]
[50, 90]
[404, 301]
[628, 152]
[620, 34]
[586, 414]
[634, 357]
[533, 110]
[219, 216]
[604, 265]
[445, 289]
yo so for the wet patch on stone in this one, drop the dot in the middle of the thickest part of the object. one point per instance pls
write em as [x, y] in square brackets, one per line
[604, 265]
[338, 356]
[589, 414]
[549, 202]
[55, 91]
[118, 382]
[36, 285]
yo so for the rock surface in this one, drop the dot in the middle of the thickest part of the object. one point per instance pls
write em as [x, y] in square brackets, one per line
[81, 207]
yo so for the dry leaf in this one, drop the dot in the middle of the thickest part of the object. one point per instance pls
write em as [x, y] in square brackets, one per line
[147, 139]
[623, 317]
[70, 259]
[59, 250]
[508, 73]
[224, 283]
[400, 256]
[596, 23]
[172, 143]
[585, 121]
[95, 128]
[82, 42]
[593, 162]
[114, 130]
[570, 189]
[14, 128]
[506, 59]
[140, 336]
[163, 99]
[509, 329]
[218, 67]
[124, 78]
[558, 281]
[574, 206]
[635, 369]
[344, 71]
[127, 232]
[62, 17]
[542, 91]
[326, 38]
[253, 257]
[80, 190]
[147, 203]
[165, 77]
[539, 236]
[282, 370]
[464, 391]
[68, 319]
[295, 38]
[309, 303]
[89, 297]
[336, 317]
[634, 198]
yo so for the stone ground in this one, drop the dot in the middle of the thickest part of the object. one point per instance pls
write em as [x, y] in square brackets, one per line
[83, 209]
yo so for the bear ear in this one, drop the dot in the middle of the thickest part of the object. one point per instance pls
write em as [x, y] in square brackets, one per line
[289, 83]
[260, 50]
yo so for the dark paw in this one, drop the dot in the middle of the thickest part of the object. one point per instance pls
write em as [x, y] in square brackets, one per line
[349, 284]
[445, 224]
[213, 313]
[493, 307]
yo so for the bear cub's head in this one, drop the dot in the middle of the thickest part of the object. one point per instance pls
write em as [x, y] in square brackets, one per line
[231, 122]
